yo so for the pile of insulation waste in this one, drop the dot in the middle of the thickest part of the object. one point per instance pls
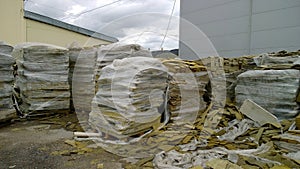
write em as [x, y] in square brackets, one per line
[170, 113]
[138, 96]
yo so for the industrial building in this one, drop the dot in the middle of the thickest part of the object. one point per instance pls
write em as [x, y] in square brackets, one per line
[239, 27]
[18, 25]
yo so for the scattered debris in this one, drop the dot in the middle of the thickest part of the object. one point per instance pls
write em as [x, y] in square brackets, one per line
[100, 166]
[221, 164]
[258, 114]
[79, 148]
[229, 130]
[86, 135]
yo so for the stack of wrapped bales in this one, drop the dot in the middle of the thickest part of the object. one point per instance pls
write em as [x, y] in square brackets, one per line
[7, 111]
[42, 78]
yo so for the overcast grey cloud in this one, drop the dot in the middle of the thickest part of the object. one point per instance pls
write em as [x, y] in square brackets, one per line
[131, 21]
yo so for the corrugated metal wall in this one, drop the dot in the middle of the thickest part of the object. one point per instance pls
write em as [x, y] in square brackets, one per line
[242, 27]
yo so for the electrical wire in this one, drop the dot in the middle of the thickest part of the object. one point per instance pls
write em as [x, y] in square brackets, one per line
[168, 27]
[98, 7]
[93, 9]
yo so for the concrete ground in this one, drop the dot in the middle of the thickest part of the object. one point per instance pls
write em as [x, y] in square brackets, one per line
[47, 143]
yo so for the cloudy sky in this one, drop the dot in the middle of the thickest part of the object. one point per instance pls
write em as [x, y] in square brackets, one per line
[131, 21]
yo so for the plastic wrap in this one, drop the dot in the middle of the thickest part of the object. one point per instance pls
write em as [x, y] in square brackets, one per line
[266, 59]
[107, 54]
[42, 78]
[138, 95]
[203, 158]
[6, 81]
[6, 76]
[130, 93]
[274, 90]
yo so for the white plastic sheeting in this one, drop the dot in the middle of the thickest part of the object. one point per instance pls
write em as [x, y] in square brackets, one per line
[138, 95]
[6, 82]
[42, 78]
[130, 98]
[266, 59]
[6, 76]
[108, 53]
[274, 90]
[174, 159]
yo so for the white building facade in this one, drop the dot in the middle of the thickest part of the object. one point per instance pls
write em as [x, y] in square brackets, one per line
[239, 27]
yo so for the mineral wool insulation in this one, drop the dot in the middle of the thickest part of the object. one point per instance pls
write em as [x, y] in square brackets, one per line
[42, 78]
[6, 82]
[274, 90]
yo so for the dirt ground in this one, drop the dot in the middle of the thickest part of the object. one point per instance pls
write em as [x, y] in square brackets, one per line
[48, 143]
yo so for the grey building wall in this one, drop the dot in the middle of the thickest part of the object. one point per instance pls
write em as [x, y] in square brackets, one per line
[240, 27]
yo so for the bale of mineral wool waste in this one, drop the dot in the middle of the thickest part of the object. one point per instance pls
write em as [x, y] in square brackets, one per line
[131, 98]
[107, 54]
[7, 111]
[279, 60]
[274, 90]
[136, 94]
[83, 81]
[42, 78]
[188, 89]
